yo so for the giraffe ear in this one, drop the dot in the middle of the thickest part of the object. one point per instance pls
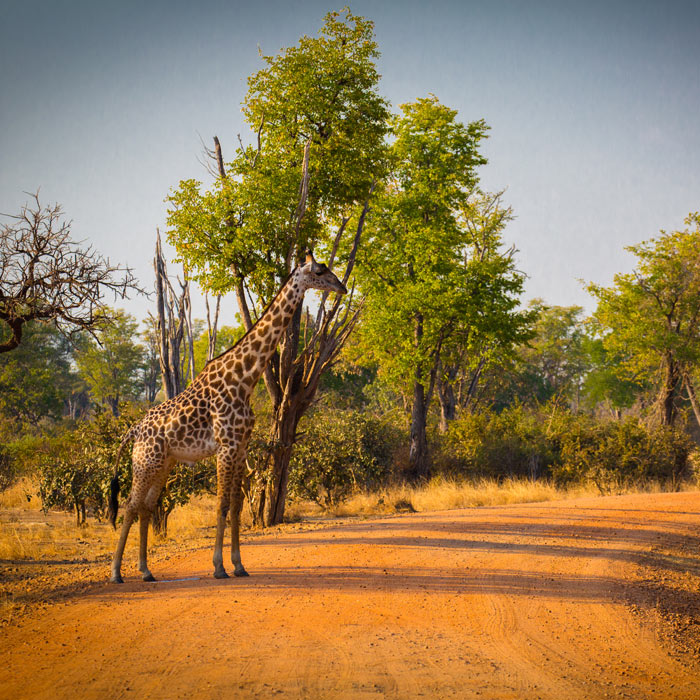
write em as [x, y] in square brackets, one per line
[309, 256]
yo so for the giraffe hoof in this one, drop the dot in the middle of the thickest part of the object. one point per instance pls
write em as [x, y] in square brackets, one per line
[116, 579]
[220, 574]
[241, 572]
[148, 577]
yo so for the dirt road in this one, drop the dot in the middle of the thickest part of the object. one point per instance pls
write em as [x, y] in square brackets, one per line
[590, 598]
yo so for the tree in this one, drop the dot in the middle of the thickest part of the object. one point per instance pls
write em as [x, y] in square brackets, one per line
[319, 126]
[604, 385]
[553, 362]
[651, 317]
[112, 365]
[36, 380]
[173, 327]
[426, 287]
[487, 334]
[151, 367]
[46, 276]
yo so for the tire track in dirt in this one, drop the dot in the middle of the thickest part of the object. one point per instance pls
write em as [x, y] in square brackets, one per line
[525, 601]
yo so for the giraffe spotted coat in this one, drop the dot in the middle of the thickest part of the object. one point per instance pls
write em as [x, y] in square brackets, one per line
[211, 416]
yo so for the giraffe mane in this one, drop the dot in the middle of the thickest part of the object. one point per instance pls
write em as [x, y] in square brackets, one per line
[250, 330]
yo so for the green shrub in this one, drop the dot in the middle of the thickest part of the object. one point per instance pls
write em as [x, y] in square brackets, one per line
[512, 443]
[616, 454]
[570, 448]
[20, 450]
[340, 452]
[76, 468]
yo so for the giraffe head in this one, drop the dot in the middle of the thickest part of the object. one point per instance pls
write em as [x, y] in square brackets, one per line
[317, 276]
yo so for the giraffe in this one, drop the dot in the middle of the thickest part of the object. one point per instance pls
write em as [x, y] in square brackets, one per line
[211, 416]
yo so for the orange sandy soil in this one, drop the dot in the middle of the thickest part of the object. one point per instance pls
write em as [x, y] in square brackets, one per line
[589, 598]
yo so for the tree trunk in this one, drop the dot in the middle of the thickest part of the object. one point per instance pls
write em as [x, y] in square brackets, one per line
[159, 518]
[418, 458]
[446, 396]
[113, 403]
[669, 392]
[693, 398]
[276, 488]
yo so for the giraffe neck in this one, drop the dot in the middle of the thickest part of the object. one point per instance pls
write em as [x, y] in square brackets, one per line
[258, 346]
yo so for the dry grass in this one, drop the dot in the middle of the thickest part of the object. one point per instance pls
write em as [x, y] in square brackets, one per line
[53, 537]
[28, 534]
[22, 494]
[447, 494]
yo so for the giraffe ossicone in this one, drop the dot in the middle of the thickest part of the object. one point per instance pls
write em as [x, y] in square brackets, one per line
[211, 416]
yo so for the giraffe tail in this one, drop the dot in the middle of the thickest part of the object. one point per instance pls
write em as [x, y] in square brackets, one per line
[114, 484]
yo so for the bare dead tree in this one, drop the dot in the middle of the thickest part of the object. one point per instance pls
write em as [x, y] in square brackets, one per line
[47, 276]
[174, 324]
[212, 326]
[173, 328]
[151, 374]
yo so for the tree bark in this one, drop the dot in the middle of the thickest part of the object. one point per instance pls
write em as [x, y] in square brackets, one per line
[446, 396]
[669, 392]
[418, 460]
[113, 403]
[692, 396]
[418, 457]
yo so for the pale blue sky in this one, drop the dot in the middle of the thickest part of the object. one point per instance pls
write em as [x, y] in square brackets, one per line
[594, 110]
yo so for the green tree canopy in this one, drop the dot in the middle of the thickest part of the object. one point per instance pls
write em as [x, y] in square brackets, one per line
[112, 365]
[425, 277]
[36, 379]
[324, 93]
[650, 318]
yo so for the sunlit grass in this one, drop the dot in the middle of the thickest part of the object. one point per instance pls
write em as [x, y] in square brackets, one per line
[52, 539]
[28, 534]
[22, 494]
[192, 519]
[448, 494]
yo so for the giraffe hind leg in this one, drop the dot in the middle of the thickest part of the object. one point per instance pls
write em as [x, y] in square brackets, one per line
[129, 516]
[145, 476]
[144, 521]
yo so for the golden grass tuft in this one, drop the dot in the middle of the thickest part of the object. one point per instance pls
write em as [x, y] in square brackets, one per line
[22, 494]
[193, 519]
[448, 494]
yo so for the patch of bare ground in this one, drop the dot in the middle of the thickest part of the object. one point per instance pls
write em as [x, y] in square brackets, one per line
[667, 591]
[586, 598]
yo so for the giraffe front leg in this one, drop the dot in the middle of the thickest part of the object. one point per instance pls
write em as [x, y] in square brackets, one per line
[224, 467]
[236, 505]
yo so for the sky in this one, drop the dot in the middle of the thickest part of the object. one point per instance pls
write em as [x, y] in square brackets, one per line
[594, 109]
